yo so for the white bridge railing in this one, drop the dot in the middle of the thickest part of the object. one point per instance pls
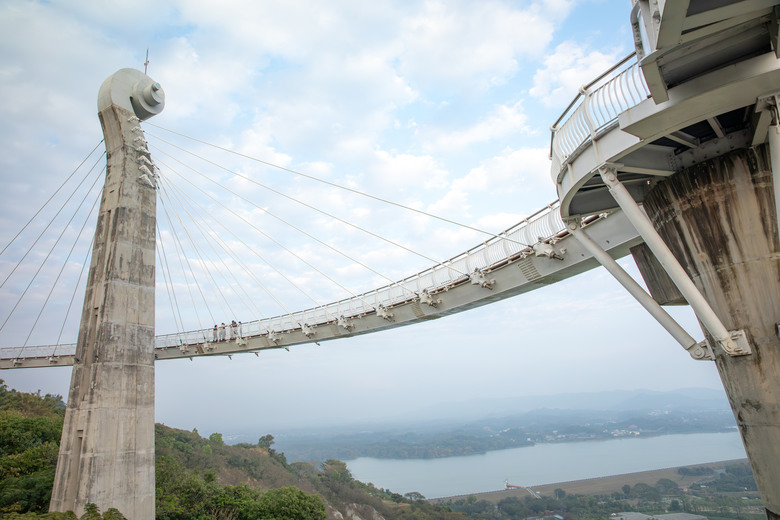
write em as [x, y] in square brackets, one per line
[542, 225]
[596, 107]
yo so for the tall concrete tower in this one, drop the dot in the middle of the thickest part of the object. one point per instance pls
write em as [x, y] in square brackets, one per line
[107, 448]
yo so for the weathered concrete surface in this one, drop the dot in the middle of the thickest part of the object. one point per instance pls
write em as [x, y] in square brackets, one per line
[107, 448]
[718, 218]
[659, 283]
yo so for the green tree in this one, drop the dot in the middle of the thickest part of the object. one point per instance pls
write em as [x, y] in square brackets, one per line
[667, 486]
[91, 512]
[336, 470]
[290, 503]
[626, 490]
[216, 439]
[646, 491]
[265, 442]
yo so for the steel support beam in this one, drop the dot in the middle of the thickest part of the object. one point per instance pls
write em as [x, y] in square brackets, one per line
[632, 286]
[644, 227]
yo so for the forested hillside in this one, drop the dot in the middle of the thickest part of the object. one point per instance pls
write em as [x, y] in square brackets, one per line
[197, 478]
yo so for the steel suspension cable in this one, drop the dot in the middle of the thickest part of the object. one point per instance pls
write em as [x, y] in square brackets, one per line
[216, 238]
[318, 210]
[329, 183]
[270, 293]
[75, 289]
[52, 196]
[65, 263]
[210, 240]
[280, 244]
[169, 289]
[49, 253]
[50, 223]
[250, 248]
[180, 254]
[198, 252]
[170, 275]
[264, 210]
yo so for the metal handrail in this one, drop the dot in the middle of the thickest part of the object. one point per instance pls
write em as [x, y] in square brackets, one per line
[596, 106]
[540, 226]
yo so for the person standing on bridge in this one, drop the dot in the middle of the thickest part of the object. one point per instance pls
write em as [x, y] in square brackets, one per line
[233, 329]
[240, 330]
[222, 332]
[214, 335]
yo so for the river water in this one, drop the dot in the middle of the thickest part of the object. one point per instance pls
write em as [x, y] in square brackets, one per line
[545, 463]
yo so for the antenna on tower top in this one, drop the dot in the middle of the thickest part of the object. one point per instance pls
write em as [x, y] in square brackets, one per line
[146, 63]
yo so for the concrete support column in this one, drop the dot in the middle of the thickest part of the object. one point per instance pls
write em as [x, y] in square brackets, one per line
[718, 218]
[107, 448]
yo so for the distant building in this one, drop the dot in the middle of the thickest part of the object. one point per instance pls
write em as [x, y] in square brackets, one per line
[545, 517]
[670, 516]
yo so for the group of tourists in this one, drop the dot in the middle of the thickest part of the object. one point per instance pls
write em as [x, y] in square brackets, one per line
[227, 332]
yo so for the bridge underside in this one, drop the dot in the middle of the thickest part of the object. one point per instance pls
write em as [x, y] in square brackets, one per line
[526, 270]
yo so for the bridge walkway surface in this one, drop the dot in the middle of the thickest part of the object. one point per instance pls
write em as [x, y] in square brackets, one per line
[499, 268]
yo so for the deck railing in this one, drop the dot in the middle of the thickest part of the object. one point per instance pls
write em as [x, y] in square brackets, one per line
[542, 225]
[595, 107]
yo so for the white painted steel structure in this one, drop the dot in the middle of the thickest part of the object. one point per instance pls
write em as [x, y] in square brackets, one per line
[536, 252]
[690, 91]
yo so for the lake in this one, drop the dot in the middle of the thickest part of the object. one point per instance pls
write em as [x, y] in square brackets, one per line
[545, 463]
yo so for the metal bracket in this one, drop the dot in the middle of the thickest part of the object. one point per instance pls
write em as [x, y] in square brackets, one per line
[739, 344]
[342, 322]
[381, 311]
[702, 351]
[308, 331]
[478, 278]
[545, 249]
[426, 298]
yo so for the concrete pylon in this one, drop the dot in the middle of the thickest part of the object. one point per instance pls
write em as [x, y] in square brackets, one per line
[719, 220]
[107, 449]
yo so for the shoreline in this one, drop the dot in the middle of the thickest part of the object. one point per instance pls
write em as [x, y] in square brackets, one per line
[597, 485]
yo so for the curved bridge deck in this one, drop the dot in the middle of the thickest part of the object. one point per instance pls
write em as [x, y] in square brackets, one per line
[501, 267]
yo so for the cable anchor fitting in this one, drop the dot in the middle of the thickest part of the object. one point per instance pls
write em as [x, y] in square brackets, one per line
[342, 322]
[307, 330]
[545, 249]
[477, 277]
[426, 298]
[382, 312]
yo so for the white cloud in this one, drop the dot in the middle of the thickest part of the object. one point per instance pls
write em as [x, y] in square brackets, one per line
[502, 121]
[570, 67]
[514, 171]
[406, 170]
[471, 45]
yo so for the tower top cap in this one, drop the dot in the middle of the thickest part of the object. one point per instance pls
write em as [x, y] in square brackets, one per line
[134, 91]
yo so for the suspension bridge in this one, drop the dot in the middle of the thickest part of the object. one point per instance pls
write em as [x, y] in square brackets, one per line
[686, 127]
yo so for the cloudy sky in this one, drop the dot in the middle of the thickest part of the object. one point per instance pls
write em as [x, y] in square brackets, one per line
[443, 106]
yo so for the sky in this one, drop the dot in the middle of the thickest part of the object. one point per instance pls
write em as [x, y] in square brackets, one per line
[442, 106]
